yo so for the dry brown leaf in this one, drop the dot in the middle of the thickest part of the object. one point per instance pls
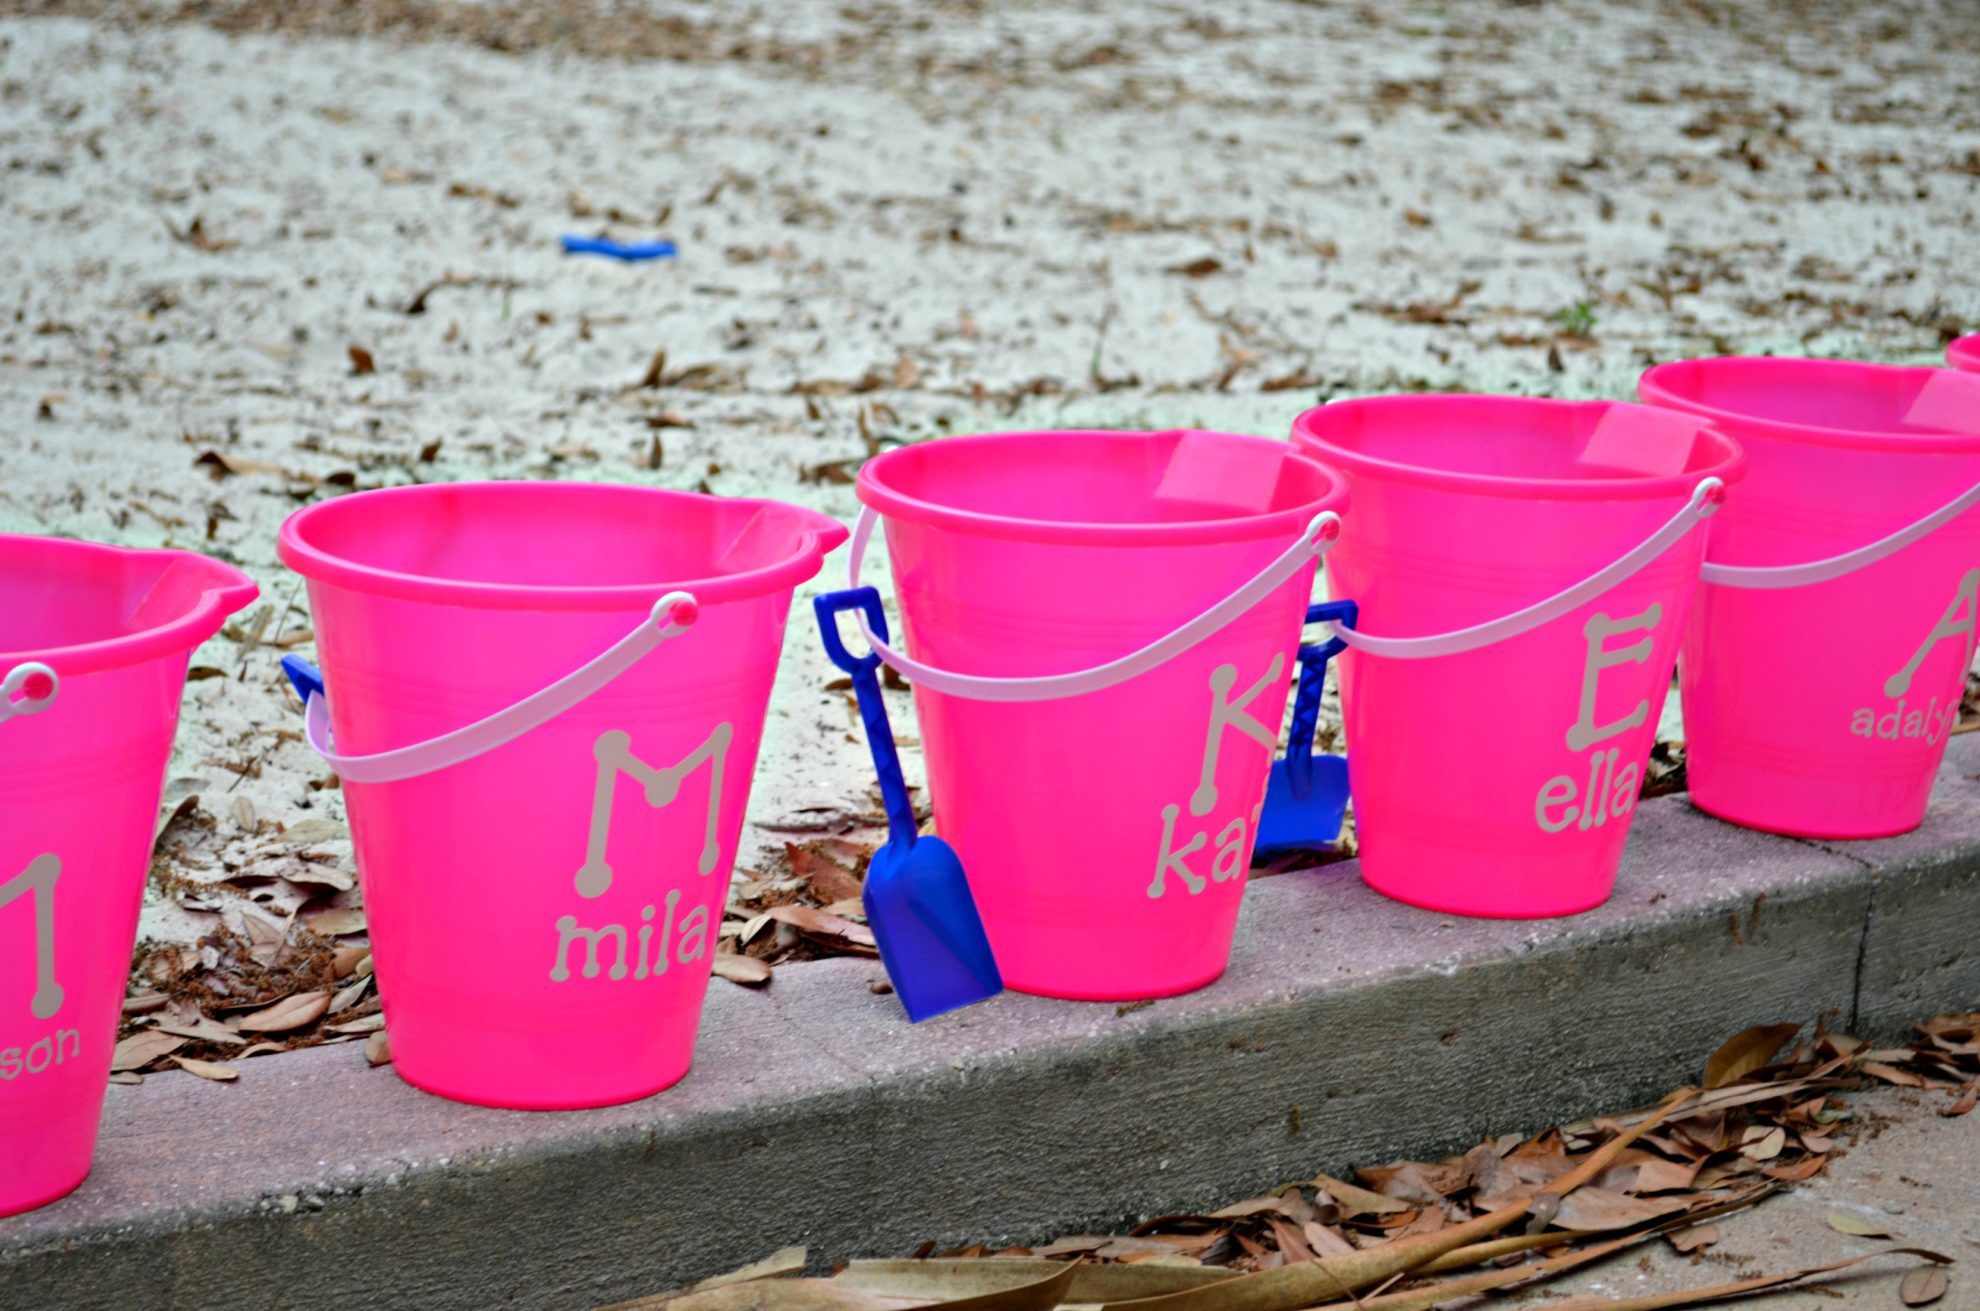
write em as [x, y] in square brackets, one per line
[943, 1280]
[1799, 1171]
[1694, 1239]
[369, 1024]
[1357, 1201]
[308, 832]
[1845, 1223]
[1032, 1294]
[208, 1069]
[201, 1029]
[1198, 268]
[746, 970]
[1719, 1292]
[813, 920]
[361, 361]
[289, 1013]
[1761, 1143]
[350, 995]
[771, 1295]
[780, 1263]
[1437, 1295]
[1601, 1209]
[1892, 1075]
[829, 880]
[337, 922]
[1747, 1051]
[1924, 1286]
[378, 1049]
[223, 465]
[141, 1049]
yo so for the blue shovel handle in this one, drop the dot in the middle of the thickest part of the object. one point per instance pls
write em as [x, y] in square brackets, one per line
[1306, 700]
[305, 677]
[625, 250]
[865, 671]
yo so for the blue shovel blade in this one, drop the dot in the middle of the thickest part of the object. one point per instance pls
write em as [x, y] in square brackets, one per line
[931, 937]
[1303, 819]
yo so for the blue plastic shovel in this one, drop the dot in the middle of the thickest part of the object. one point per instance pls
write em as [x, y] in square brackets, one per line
[1306, 795]
[918, 902]
[305, 677]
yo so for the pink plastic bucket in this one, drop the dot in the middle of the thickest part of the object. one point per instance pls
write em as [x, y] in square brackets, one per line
[1107, 835]
[1964, 353]
[94, 642]
[1822, 707]
[1500, 779]
[544, 899]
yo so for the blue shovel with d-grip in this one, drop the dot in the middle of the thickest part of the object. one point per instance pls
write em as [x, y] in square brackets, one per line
[1306, 795]
[918, 902]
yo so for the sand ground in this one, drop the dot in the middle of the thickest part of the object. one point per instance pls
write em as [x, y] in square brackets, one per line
[895, 221]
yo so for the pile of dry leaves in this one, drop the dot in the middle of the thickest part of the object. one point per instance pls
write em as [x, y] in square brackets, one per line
[1510, 1213]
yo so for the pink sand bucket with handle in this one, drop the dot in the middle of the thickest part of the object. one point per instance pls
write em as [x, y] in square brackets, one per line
[1102, 628]
[94, 642]
[1964, 353]
[1823, 671]
[1522, 570]
[545, 702]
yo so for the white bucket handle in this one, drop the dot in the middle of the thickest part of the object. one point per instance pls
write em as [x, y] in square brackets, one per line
[1821, 571]
[1316, 541]
[1704, 502]
[672, 615]
[14, 701]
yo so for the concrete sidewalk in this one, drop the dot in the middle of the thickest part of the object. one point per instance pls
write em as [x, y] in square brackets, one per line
[1348, 1029]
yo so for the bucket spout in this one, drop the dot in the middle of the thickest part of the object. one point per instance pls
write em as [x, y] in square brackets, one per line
[82, 607]
[172, 588]
[777, 531]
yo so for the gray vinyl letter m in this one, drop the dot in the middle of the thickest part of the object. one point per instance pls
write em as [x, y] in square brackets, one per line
[614, 752]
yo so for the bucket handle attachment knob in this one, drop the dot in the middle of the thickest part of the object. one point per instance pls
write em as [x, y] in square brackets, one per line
[1704, 503]
[1318, 538]
[1770, 577]
[28, 689]
[672, 615]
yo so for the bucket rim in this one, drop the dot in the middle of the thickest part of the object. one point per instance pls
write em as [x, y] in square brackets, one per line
[1964, 353]
[891, 503]
[230, 591]
[1654, 388]
[1729, 468]
[317, 564]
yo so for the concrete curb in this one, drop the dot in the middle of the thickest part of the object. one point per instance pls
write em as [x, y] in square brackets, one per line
[1348, 1029]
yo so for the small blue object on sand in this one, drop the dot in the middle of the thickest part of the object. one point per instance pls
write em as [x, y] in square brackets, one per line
[1306, 795]
[626, 250]
[918, 903]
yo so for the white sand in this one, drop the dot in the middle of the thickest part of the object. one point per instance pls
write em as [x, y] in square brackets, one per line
[977, 205]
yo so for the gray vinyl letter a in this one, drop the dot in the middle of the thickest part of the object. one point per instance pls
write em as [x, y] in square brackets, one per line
[1958, 618]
